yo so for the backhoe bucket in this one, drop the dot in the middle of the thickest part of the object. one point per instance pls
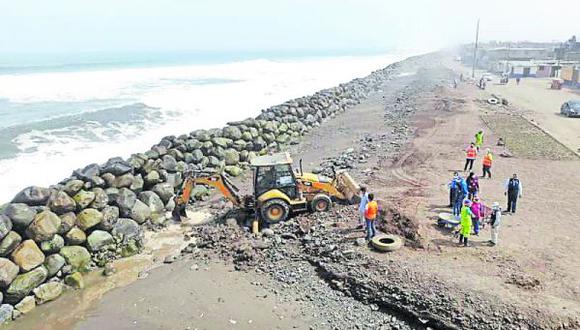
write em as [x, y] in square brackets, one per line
[347, 186]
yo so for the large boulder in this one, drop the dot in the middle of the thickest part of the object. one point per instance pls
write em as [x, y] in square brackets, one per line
[6, 312]
[152, 178]
[233, 170]
[164, 190]
[44, 226]
[52, 246]
[23, 284]
[33, 196]
[5, 225]
[232, 132]
[116, 166]
[67, 221]
[53, 264]
[9, 243]
[123, 181]
[84, 198]
[231, 157]
[169, 163]
[137, 184]
[174, 179]
[222, 142]
[197, 156]
[89, 218]
[88, 172]
[75, 236]
[110, 216]
[126, 230]
[26, 305]
[155, 204]
[27, 255]
[48, 291]
[125, 201]
[77, 257]
[8, 272]
[75, 280]
[20, 214]
[140, 212]
[60, 202]
[101, 199]
[100, 240]
[72, 187]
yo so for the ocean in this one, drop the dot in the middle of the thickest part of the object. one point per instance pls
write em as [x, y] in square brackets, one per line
[58, 114]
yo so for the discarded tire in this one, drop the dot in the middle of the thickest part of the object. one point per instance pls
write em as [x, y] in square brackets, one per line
[321, 203]
[387, 243]
[493, 101]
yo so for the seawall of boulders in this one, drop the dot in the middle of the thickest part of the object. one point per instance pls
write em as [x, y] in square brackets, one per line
[50, 236]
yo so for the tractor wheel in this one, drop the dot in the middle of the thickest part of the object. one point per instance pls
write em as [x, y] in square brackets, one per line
[275, 210]
[321, 203]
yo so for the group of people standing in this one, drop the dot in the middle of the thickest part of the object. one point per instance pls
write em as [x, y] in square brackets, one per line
[465, 197]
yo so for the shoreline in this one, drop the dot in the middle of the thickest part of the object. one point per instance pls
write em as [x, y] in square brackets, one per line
[101, 212]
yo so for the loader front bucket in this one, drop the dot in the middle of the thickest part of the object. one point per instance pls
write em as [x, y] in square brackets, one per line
[347, 186]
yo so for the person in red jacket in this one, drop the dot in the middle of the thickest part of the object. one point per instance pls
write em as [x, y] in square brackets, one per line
[470, 156]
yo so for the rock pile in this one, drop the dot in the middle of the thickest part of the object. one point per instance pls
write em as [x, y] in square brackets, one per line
[52, 235]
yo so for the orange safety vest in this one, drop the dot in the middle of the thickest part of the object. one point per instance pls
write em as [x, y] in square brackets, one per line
[471, 153]
[487, 160]
[371, 210]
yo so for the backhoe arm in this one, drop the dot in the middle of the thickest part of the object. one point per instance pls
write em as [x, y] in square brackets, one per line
[218, 181]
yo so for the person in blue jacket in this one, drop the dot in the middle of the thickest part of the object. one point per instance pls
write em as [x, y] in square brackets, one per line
[458, 187]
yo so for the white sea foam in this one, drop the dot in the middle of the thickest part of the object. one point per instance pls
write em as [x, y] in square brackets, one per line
[46, 156]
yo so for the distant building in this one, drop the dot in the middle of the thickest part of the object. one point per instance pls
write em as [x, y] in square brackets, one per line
[569, 50]
[571, 75]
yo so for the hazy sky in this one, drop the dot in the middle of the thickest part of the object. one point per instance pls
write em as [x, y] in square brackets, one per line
[122, 25]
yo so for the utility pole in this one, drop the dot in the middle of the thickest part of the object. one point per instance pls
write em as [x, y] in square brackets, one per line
[475, 50]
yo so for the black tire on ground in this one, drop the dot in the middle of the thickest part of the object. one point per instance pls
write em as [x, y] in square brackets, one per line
[275, 210]
[387, 243]
[321, 203]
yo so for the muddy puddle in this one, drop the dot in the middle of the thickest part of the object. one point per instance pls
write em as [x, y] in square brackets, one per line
[74, 305]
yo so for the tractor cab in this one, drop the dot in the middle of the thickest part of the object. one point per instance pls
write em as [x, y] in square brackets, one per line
[276, 189]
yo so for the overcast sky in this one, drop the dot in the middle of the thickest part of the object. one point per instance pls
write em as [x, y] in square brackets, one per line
[136, 25]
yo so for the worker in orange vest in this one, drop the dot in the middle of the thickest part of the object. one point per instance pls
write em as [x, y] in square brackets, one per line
[371, 212]
[470, 155]
[487, 160]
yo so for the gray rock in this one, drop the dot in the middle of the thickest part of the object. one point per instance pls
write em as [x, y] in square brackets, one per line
[232, 157]
[8, 272]
[267, 232]
[101, 199]
[123, 181]
[110, 216]
[9, 243]
[233, 170]
[60, 202]
[33, 196]
[67, 221]
[138, 183]
[100, 240]
[154, 203]
[165, 191]
[89, 218]
[5, 225]
[126, 229]
[43, 227]
[117, 166]
[6, 312]
[108, 178]
[88, 172]
[125, 201]
[360, 242]
[53, 264]
[140, 212]
[112, 193]
[52, 246]
[20, 214]
[152, 178]
[222, 142]
[169, 163]
[75, 236]
[197, 156]
[48, 292]
[23, 284]
[84, 198]
[76, 256]
[72, 187]
[232, 132]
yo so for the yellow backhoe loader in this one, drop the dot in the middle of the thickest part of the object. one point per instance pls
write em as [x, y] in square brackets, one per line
[278, 191]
